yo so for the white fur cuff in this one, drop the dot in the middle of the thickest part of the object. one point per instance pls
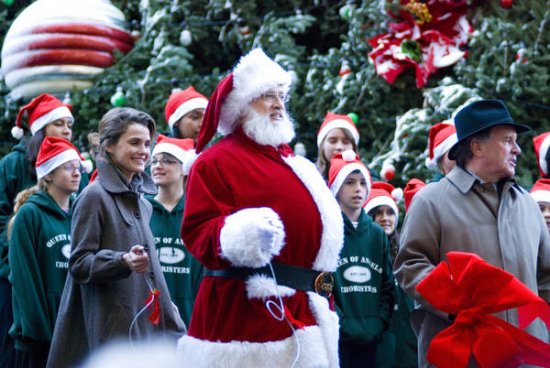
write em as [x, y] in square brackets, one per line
[264, 287]
[251, 237]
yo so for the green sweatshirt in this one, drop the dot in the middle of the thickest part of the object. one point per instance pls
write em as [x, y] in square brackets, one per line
[183, 273]
[398, 348]
[364, 284]
[40, 246]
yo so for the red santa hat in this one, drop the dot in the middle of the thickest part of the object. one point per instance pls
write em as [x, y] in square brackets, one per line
[333, 121]
[255, 74]
[41, 111]
[343, 164]
[413, 186]
[54, 152]
[541, 190]
[182, 102]
[383, 194]
[541, 143]
[441, 138]
[181, 149]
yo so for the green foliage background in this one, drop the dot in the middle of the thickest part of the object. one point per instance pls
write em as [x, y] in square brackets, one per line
[314, 38]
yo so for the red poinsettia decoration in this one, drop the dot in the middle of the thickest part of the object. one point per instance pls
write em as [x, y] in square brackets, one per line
[428, 38]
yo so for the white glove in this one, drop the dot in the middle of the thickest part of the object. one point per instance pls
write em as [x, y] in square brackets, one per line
[251, 237]
[269, 232]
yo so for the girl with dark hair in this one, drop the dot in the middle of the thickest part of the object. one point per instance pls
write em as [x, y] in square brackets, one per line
[47, 116]
[398, 347]
[336, 135]
[114, 270]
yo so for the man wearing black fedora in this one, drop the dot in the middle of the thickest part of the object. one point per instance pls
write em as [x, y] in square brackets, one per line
[477, 208]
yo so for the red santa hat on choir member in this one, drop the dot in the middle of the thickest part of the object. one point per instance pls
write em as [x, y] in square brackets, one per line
[255, 74]
[181, 149]
[333, 121]
[413, 186]
[54, 152]
[541, 190]
[383, 193]
[41, 111]
[182, 102]
[441, 138]
[541, 143]
[343, 164]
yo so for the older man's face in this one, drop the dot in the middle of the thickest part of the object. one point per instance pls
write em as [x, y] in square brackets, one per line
[271, 103]
[500, 152]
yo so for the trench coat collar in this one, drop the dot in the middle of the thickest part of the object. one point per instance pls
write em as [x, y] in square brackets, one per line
[464, 181]
[113, 182]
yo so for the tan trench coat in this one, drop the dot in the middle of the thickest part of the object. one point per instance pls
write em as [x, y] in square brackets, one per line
[448, 216]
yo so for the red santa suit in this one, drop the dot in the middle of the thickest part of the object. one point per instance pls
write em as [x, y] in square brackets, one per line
[233, 187]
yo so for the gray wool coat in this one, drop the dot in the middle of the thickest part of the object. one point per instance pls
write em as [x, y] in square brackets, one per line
[102, 295]
[449, 216]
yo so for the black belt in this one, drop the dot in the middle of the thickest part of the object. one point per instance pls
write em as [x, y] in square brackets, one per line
[295, 277]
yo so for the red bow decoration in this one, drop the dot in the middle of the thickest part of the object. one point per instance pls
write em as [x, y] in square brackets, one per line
[153, 305]
[472, 289]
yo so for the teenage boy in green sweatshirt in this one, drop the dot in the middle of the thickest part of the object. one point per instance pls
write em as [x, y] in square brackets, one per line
[363, 282]
[170, 163]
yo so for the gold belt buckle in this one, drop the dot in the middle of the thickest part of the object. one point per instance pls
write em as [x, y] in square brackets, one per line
[324, 283]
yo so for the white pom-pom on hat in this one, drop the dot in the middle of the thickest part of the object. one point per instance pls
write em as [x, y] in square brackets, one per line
[188, 161]
[397, 194]
[349, 155]
[17, 132]
[88, 166]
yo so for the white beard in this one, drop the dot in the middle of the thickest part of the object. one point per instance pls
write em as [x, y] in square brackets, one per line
[262, 130]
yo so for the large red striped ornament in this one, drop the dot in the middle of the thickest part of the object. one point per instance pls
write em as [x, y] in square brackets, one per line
[55, 46]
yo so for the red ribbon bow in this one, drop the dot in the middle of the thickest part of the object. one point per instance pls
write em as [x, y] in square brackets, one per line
[153, 305]
[472, 289]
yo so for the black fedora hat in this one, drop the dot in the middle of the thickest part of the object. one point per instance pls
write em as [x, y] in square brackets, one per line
[481, 115]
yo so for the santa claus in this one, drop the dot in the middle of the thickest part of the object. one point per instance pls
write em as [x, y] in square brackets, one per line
[266, 227]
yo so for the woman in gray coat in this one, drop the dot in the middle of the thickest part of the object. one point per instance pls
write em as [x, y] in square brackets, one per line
[114, 268]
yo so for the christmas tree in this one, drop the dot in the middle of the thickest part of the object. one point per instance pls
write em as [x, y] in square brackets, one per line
[505, 54]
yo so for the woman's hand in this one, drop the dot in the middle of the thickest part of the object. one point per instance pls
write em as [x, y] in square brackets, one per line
[137, 260]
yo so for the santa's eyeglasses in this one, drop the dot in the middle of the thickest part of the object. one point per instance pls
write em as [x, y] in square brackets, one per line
[273, 96]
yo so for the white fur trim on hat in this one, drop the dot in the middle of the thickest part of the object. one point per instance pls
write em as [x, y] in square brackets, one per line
[196, 353]
[542, 154]
[54, 162]
[241, 240]
[337, 123]
[186, 107]
[440, 150]
[255, 74]
[382, 201]
[343, 174]
[57, 113]
[171, 149]
[541, 196]
[332, 236]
